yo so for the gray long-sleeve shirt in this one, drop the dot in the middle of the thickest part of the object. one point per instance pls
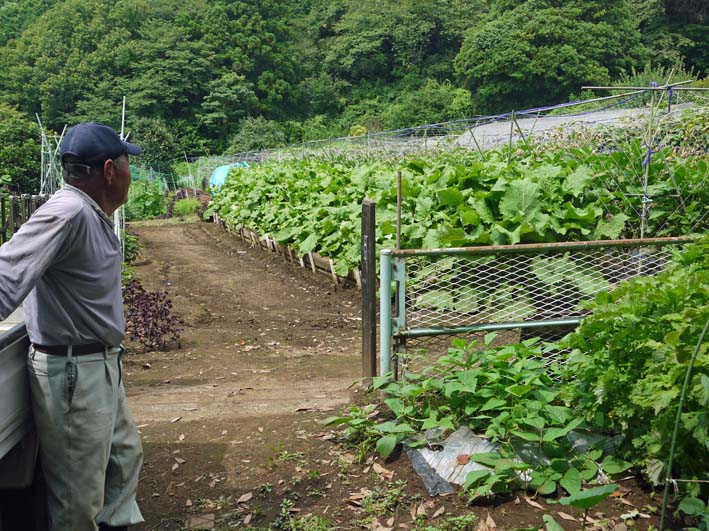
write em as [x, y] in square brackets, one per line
[65, 263]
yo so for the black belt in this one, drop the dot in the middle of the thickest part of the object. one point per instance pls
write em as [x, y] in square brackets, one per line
[77, 350]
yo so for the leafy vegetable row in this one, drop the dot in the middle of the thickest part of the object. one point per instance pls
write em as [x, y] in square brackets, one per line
[462, 198]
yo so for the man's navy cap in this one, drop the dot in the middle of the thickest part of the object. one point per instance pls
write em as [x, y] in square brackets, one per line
[93, 144]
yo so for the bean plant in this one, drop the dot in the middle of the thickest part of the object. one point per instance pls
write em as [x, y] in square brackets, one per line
[504, 394]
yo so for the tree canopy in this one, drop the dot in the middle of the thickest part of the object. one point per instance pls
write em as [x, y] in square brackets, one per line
[541, 51]
[215, 72]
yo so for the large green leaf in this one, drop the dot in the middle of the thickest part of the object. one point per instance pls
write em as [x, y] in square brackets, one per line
[449, 196]
[571, 481]
[577, 180]
[521, 201]
[611, 228]
[586, 499]
[551, 524]
[692, 506]
[386, 445]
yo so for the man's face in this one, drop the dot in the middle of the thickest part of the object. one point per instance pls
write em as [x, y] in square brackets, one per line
[121, 181]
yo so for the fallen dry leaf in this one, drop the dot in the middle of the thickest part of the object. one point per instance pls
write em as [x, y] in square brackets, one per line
[490, 522]
[482, 526]
[181, 437]
[376, 526]
[175, 466]
[622, 491]
[176, 419]
[533, 503]
[247, 518]
[439, 512]
[379, 469]
[188, 503]
[567, 517]
[626, 502]
[180, 461]
[355, 498]
[200, 521]
[245, 497]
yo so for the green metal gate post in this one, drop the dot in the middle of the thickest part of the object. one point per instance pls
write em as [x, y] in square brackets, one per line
[385, 312]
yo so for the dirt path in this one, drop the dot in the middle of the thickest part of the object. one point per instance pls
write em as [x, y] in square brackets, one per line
[230, 421]
[267, 346]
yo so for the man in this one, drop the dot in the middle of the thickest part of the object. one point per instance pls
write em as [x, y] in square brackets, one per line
[65, 263]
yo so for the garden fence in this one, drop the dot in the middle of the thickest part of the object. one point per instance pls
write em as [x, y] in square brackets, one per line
[482, 132]
[15, 210]
[518, 291]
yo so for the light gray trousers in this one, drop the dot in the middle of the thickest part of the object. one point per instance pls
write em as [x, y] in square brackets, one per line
[90, 448]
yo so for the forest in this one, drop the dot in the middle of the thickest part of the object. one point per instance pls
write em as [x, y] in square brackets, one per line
[214, 76]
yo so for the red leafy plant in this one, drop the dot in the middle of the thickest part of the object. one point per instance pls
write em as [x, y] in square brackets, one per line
[149, 317]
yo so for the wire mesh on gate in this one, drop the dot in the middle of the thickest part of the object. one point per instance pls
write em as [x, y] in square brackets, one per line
[519, 291]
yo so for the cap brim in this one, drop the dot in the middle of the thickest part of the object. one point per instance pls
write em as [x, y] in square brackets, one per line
[132, 149]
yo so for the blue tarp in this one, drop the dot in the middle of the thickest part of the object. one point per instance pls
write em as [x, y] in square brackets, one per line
[219, 174]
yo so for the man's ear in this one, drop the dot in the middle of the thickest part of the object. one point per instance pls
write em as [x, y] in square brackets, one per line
[109, 171]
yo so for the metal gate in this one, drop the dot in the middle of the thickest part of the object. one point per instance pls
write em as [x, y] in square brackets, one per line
[518, 290]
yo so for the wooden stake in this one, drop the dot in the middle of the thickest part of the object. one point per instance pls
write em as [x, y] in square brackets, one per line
[312, 261]
[332, 270]
[357, 277]
[369, 291]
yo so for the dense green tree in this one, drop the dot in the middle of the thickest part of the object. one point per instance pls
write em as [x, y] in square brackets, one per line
[19, 152]
[690, 20]
[385, 39]
[157, 140]
[15, 16]
[229, 98]
[433, 103]
[540, 52]
[215, 72]
[206, 63]
[256, 134]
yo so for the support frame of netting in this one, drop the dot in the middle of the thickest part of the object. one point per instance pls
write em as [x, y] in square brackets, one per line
[516, 290]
